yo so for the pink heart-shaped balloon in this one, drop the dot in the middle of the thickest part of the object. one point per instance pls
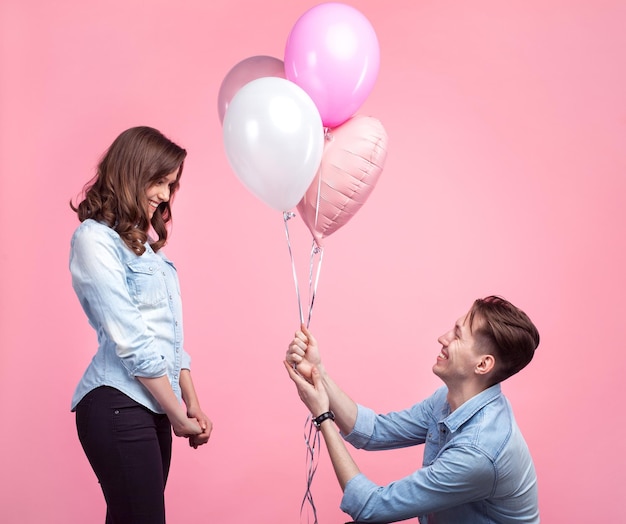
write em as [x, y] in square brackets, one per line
[352, 161]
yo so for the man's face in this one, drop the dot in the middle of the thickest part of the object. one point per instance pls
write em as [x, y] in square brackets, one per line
[459, 354]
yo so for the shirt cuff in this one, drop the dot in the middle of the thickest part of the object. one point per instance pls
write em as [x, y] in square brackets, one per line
[185, 361]
[363, 427]
[149, 369]
[356, 493]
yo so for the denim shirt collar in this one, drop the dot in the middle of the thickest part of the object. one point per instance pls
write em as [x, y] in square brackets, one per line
[466, 411]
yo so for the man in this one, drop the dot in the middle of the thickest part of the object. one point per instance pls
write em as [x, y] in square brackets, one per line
[477, 468]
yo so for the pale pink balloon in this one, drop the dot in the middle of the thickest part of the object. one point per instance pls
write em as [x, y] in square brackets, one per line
[332, 53]
[353, 159]
[244, 72]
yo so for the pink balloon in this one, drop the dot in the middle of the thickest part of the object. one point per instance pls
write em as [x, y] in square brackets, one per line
[352, 161]
[243, 72]
[332, 53]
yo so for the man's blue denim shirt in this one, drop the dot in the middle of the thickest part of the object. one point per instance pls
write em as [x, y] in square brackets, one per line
[476, 469]
[134, 304]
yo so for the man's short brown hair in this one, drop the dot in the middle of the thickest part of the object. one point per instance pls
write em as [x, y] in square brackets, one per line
[507, 331]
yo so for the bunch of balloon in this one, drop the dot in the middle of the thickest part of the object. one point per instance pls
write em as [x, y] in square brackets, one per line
[290, 131]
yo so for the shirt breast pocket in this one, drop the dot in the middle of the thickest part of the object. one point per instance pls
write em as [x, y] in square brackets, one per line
[432, 446]
[145, 283]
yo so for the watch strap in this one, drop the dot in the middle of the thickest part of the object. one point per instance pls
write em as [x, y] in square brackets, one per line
[324, 416]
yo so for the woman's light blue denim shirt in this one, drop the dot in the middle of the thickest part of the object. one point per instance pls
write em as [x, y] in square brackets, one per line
[134, 304]
[476, 468]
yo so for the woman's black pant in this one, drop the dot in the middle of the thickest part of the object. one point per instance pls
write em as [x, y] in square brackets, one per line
[129, 448]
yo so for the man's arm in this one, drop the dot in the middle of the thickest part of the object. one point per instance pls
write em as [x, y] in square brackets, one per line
[343, 464]
[344, 408]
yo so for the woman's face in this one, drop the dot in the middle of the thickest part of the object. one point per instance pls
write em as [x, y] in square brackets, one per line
[159, 192]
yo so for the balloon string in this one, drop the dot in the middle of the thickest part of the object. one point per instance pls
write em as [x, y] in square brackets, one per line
[319, 195]
[328, 136]
[312, 440]
[287, 215]
[315, 250]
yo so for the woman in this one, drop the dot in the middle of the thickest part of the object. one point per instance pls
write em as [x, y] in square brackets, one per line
[129, 398]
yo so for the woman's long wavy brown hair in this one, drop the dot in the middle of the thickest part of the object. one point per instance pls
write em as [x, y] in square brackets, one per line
[138, 158]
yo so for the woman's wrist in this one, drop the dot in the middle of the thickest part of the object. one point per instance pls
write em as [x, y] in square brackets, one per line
[192, 406]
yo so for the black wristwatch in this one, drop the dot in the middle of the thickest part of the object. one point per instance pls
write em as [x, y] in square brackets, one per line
[318, 420]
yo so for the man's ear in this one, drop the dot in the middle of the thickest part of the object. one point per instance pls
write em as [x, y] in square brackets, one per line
[486, 364]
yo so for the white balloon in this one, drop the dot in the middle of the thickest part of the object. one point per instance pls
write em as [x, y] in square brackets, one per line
[274, 140]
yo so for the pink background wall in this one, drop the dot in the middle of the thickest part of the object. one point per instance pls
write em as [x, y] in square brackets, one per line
[505, 174]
